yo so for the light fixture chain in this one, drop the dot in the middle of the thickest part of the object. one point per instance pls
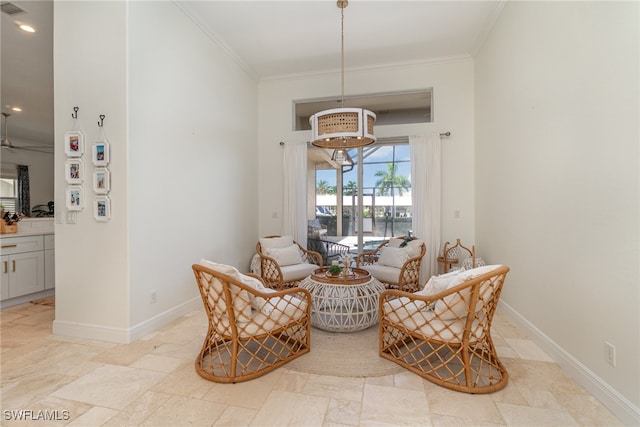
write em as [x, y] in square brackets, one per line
[342, 56]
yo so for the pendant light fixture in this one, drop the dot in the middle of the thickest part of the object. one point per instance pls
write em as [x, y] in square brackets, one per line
[341, 156]
[342, 127]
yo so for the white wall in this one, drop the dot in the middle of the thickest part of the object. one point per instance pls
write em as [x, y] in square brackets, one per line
[181, 119]
[557, 190]
[452, 83]
[92, 259]
[193, 171]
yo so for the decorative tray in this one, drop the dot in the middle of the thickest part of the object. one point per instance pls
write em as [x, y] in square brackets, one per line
[355, 276]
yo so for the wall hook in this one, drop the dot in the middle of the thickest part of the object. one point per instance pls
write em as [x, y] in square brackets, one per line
[75, 112]
[101, 122]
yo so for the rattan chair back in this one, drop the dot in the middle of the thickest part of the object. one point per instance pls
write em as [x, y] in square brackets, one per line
[271, 272]
[451, 254]
[409, 276]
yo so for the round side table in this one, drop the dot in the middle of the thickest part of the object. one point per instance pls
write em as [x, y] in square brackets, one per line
[343, 303]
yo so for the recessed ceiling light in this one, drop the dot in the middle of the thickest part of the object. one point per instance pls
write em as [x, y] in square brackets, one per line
[27, 28]
[16, 108]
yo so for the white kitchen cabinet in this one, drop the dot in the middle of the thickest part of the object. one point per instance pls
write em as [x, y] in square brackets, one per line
[22, 265]
[49, 262]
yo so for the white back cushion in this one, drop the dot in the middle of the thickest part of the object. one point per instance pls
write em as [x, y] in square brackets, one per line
[455, 305]
[242, 308]
[439, 283]
[275, 242]
[289, 255]
[393, 257]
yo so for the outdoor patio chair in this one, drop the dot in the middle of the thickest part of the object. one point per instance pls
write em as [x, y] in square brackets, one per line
[252, 329]
[443, 332]
[327, 249]
[395, 262]
[284, 263]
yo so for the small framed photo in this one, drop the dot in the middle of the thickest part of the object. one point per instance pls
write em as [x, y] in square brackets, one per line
[102, 208]
[101, 153]
[74, 143]
[73, 171]
[74, 198]
[101, 181]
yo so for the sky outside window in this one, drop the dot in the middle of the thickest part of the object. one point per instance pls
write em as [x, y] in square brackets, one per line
[377, 160]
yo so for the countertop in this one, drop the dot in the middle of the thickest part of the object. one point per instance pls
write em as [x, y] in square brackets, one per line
[32, 226]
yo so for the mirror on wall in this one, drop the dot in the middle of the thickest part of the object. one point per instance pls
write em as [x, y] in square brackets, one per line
[27, 95]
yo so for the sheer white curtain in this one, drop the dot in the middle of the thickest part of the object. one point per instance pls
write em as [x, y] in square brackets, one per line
[294, 163]
[426, 197]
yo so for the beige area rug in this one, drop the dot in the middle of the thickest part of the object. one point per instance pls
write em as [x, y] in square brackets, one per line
[45, 301]
[344, 355]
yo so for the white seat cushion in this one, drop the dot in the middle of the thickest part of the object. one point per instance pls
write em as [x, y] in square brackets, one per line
[383, 272]
[262, 321]
[297, 271]
[429, 325]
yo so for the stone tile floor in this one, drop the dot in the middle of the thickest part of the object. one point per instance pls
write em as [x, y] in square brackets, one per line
[152, 382]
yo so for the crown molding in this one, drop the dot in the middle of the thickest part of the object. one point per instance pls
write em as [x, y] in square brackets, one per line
[218, 41]
[378, 67]
[484, 32]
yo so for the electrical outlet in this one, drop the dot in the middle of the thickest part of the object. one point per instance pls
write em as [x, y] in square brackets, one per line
[154, 297]
[610, 353]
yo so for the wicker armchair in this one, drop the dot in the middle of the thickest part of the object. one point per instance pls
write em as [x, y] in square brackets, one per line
[395, 266]
[453, 254]
[284, 263]
[446, 337]
[264, 329]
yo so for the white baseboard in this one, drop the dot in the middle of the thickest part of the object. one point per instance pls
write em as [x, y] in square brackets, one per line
[621, 407]
[163, 319]
[123, 335]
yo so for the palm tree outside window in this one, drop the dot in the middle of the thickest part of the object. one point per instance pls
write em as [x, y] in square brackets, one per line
[386, 191]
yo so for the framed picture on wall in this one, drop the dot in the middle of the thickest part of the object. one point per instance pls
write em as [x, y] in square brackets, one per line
[74, 143]
[102, 208]
[101, 181]
[73, 171]
[74, 198]
[100, 155]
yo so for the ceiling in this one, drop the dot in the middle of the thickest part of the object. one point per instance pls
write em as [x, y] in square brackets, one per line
[268, 38]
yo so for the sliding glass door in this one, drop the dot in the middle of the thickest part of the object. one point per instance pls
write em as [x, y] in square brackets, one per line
[369, 201]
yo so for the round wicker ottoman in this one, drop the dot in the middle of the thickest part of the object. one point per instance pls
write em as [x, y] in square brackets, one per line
[343, 304]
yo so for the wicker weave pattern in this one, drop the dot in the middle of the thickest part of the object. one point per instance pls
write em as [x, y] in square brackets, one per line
[343, 307]
[272, 274]
[262, 331]
[370, 121]
[338, 122]
[409, 279]
[446, 338]
[452, 255]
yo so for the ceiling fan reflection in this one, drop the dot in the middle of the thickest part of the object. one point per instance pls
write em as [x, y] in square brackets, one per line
[7, 144]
